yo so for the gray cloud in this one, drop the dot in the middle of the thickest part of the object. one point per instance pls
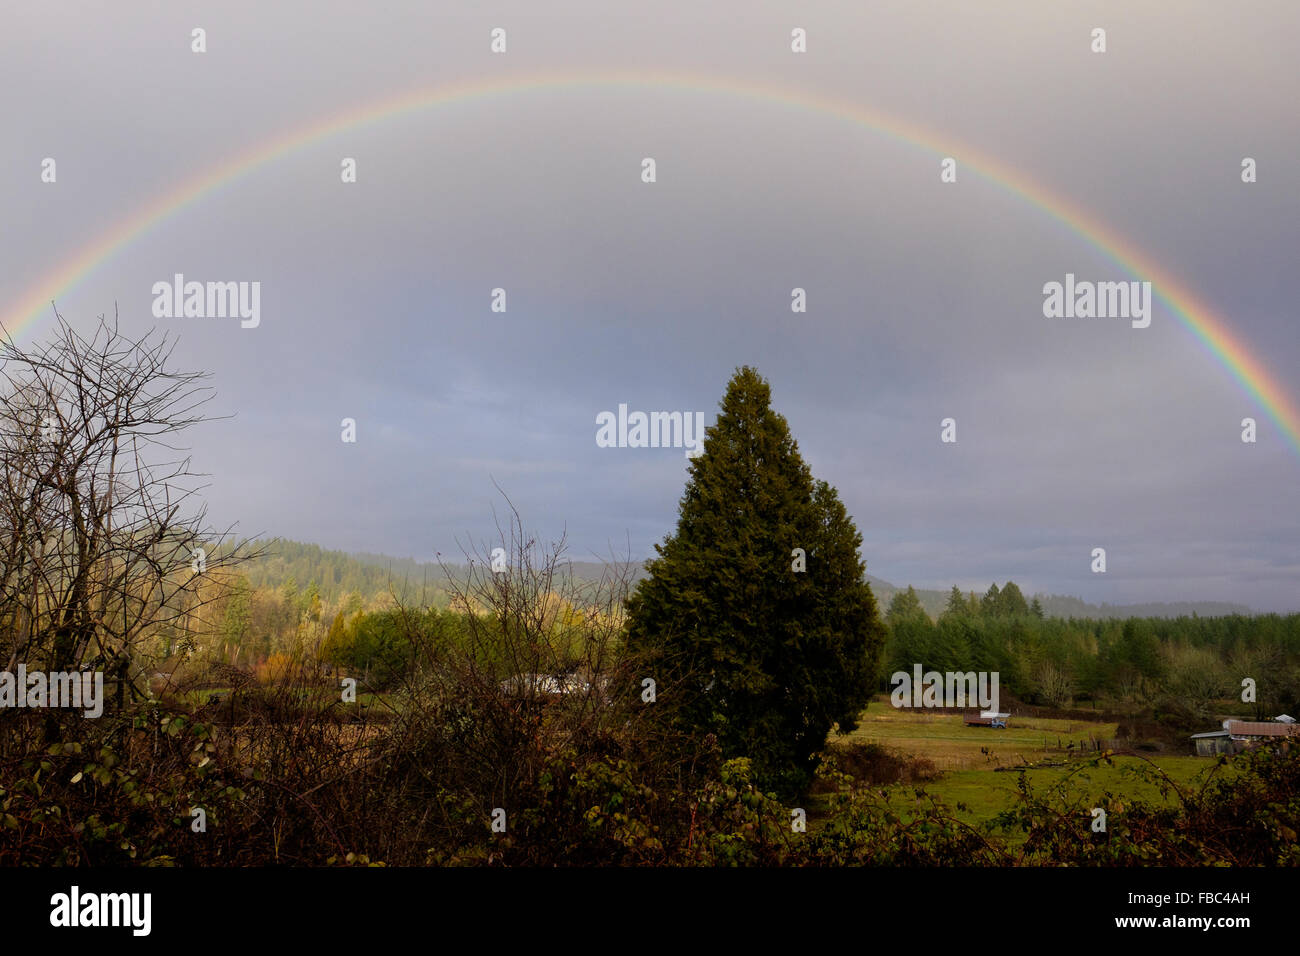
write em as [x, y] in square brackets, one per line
[924, 299]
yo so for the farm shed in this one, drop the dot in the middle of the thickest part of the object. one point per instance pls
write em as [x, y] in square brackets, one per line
[1213, 742]
[1254, 732]
[1237, 735]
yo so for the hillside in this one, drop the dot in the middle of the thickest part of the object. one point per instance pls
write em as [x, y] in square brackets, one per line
[338, 573]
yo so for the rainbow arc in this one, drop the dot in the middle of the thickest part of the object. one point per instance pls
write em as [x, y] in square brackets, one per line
[1198, 317]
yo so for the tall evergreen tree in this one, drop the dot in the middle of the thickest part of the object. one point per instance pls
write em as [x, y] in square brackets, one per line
[957, 604]
[911, 634]
[989, 603]
[756, 617]
[238, 616]
[903, 606]
[311, 601]
[1011, 602]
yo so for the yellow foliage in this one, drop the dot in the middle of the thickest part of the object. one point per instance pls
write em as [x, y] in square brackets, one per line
[275, 668]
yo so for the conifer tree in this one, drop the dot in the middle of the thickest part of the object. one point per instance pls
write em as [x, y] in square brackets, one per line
[989, 603]
[756, 618]
[957, 604]
[904, 605]
[911, 638]
[1011, 602]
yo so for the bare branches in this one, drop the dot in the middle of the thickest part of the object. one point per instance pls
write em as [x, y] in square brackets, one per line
[104, 540]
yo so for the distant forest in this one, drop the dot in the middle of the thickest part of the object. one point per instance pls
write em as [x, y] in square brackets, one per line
[302, 600]
[338, 573]
[1065, 606]
[1184, 671]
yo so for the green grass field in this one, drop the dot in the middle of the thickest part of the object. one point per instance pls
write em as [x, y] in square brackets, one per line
[951, 745]
[979, 795]
[969, 757]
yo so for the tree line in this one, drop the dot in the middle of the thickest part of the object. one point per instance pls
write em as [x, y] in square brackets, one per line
[1183, 668]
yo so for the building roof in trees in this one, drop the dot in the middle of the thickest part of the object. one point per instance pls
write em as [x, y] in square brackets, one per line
[1251, 728]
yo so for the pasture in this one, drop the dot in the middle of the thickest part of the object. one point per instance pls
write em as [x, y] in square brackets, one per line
[980, 767]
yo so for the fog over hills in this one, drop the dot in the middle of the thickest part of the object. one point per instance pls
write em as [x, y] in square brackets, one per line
[338, 571]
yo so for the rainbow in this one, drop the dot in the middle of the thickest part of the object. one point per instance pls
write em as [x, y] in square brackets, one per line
[1209, 329]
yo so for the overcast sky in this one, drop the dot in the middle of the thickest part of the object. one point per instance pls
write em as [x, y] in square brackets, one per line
[924, 299]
